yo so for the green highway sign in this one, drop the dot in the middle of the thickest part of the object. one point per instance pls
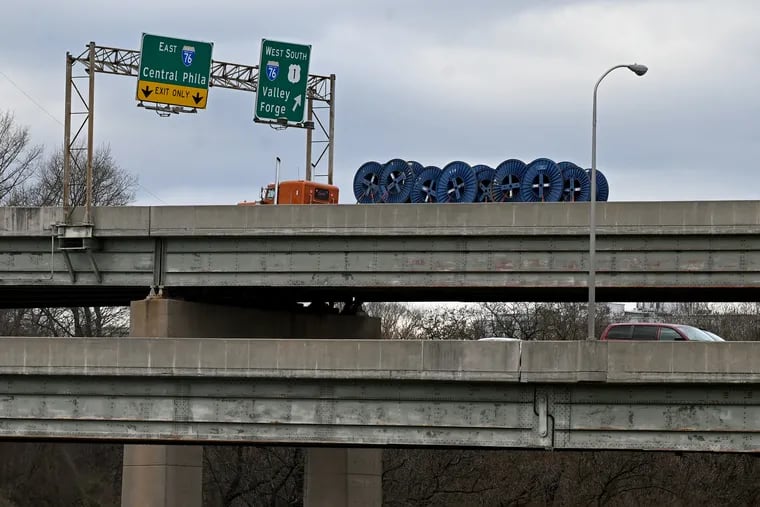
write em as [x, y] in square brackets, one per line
[174, 71]
[283, 72]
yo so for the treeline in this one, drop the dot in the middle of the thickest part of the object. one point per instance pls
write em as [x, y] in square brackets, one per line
[552, 321]
[89, 475]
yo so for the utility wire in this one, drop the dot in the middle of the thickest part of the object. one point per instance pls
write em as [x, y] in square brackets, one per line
[11, 81]
[151, 193]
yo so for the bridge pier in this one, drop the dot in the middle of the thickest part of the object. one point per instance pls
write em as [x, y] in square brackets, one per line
[171, 475]
[343, 477]
[162, 476]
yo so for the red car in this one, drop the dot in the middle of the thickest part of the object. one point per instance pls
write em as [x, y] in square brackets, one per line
[654, 331]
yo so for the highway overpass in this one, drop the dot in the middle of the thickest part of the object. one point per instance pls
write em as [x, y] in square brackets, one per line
[277, 255]
[544, 395]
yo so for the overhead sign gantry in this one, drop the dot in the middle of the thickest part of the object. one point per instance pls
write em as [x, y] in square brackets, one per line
[174, 76]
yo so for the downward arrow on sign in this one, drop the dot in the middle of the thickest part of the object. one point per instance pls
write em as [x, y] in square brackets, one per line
[146, 91]
[197, 97]
[297, 101]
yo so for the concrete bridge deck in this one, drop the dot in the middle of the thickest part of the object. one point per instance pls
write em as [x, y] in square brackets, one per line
[559, 395]
[259, 255]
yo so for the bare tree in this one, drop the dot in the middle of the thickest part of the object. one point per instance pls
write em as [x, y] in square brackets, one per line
[52, 474]
[397, 320]
[459, 322]
[527, 321]
[737, 322]
[17, 156]
[111, 185]
[417, 477]
[253, 476]
[540, 321]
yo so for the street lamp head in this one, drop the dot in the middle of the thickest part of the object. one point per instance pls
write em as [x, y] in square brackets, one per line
[638, 69]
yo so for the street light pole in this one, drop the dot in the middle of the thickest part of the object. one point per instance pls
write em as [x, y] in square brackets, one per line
[639, 70]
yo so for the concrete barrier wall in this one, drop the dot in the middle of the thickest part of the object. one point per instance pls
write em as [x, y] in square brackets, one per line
[537, 362]
[728, 217]
[370, 359]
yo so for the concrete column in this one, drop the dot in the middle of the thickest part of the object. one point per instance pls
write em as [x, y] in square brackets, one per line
[162, 476]
[172, 318]
[171, 476]
[343, 477]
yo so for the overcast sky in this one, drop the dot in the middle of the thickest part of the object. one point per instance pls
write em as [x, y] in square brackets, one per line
[479, 81]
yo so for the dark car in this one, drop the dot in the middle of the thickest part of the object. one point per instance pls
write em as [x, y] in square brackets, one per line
[655, 331]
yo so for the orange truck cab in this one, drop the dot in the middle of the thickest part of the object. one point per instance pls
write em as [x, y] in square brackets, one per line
[298, 192]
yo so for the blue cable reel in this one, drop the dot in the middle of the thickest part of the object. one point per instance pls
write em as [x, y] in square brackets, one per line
[417, 168]
[367, 183]
[577, 185]
[396, 179]
[485, 176]
[602, 187]
[506, 182]
[542, 182]
[457, 183]
[425, 184]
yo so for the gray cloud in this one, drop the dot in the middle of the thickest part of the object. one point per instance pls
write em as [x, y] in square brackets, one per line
[432, 81]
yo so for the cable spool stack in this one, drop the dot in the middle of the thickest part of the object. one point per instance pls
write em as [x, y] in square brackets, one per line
[542, 180]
